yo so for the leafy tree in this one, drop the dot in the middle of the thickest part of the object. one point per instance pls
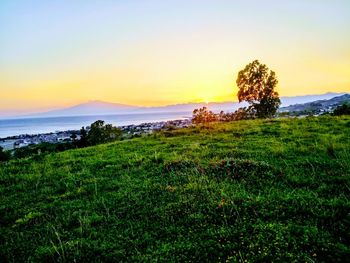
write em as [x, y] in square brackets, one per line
[203, 115]
[101, 133]
[244, 113]
[225, 116]
[342, 110]
[256, 85]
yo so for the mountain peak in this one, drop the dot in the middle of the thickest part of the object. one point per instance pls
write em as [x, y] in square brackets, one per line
[91, 107]
[99, 107]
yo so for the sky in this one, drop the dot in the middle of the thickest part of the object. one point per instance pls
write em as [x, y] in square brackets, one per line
[59, 53]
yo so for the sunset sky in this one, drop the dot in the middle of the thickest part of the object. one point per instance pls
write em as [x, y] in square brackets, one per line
[60, 53]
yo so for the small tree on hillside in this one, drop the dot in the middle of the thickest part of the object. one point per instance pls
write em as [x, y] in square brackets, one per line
[100, 133]
[256, 85]
[203, 115]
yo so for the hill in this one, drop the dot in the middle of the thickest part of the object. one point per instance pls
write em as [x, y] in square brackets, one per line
[292, 100]
[96, 107]
[319, 106]
[263, 190]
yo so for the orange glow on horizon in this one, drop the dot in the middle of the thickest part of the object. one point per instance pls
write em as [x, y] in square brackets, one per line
[163, 60]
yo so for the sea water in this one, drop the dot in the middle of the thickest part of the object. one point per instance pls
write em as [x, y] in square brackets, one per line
[12, 127]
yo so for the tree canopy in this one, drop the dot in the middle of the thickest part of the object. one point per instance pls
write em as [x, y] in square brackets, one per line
[256, 84]
[203, 115]
[102, 133]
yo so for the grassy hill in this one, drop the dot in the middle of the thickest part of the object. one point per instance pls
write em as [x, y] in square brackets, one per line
[243, 191]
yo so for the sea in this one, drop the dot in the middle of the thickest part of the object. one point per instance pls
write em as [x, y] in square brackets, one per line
[18, 126]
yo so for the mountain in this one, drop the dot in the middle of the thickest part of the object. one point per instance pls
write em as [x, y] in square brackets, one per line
[318, 106]
[189, 107]
[104, 108]
[94, 107]
[287, 101]
[101, 108]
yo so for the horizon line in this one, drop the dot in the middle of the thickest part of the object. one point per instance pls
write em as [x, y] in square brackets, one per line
[133, 107]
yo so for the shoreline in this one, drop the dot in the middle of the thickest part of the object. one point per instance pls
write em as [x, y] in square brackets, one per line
[34, 126]
[23, 140]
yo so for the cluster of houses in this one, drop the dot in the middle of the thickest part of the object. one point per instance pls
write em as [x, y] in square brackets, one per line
[328, 109]
[68, 136]
[310, 111]
[154, 126]
[25, 140]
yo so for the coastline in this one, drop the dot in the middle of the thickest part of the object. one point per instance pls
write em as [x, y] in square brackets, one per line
[23, 140]
[17, 127]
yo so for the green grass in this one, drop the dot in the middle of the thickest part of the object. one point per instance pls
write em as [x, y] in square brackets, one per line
[264, 190]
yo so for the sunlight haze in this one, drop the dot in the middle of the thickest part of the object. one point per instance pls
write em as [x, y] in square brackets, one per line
[60, 53]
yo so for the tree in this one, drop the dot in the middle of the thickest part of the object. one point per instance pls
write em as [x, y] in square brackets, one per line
[256, 85]
[244, 113]
[100, 133]
[203, 115]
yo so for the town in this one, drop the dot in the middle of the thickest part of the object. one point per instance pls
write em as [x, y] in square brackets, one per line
[24, 140]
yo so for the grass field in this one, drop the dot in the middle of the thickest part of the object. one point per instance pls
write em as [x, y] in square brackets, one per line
[248, 191]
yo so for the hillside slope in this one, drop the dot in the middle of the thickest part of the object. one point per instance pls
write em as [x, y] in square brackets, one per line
[319, 105]
[250, 190]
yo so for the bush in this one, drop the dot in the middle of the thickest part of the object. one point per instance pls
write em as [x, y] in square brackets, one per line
[98, 133]
[101, 133]
[203, 115]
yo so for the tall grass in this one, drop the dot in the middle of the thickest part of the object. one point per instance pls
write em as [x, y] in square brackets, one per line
[263, 190]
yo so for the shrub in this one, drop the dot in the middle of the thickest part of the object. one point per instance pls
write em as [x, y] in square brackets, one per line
[102, 133]
[203, 115]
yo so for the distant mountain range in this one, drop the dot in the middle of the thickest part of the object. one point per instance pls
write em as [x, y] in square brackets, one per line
[106, 108]
[92, 107]
[318, 106]
[287, 101]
